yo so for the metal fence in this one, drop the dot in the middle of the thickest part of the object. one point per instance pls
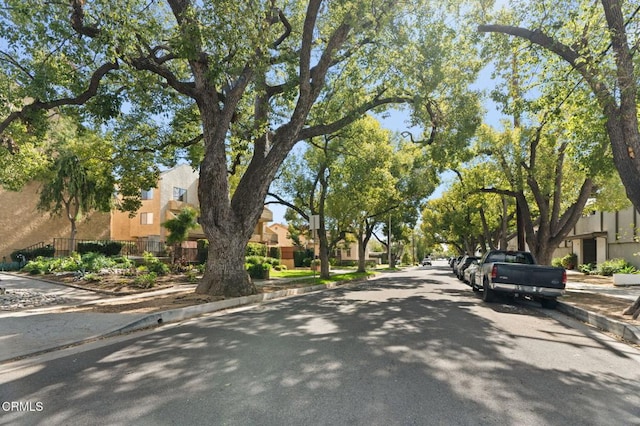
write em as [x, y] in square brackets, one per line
[65, 246]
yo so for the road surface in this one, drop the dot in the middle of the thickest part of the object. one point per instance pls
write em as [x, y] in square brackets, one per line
[415, 347]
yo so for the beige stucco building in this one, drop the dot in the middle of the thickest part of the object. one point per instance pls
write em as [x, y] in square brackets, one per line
[177, 189]
[601, 236]
[22, 225]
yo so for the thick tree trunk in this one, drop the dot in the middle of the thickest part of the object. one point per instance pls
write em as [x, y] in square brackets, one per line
[544, 254]
[504, 240]
[225, 273]
[633, 310]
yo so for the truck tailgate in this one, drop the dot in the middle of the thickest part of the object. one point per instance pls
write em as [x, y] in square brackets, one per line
[529, 275]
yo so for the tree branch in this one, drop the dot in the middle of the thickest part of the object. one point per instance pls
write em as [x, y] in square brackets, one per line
[325, 129]
[82, 98]
[77, 20]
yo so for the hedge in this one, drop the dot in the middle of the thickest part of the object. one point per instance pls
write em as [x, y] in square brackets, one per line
[108, 248]
[46, 251]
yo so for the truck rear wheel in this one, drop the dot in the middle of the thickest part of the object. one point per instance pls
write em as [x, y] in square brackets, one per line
[488, 295]
[549, 303]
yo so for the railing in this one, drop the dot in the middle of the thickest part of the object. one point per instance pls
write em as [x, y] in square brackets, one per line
[186, 255]
[65, 246]
[34, 246]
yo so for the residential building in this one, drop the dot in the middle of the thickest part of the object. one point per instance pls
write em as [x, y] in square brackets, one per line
[347, 252]
[601, 236]
[22, 225]
[177, 189]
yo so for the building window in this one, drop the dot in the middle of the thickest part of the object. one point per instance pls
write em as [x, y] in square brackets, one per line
[179, 194]
[146, 218]
[146, 194]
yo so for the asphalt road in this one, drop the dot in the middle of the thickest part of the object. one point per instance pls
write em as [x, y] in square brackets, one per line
[410, 348]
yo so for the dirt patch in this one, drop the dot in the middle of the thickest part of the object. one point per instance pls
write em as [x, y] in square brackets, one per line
[148, 304]
[116, 284]
[591, 279]
[123, 295]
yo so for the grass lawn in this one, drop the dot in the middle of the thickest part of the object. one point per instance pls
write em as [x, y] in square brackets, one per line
[309, 277]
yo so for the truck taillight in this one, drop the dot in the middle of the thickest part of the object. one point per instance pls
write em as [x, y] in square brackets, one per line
[494, 272]
[564, 277]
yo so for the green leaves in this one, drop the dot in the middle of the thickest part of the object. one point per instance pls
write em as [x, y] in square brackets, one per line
[180, 225]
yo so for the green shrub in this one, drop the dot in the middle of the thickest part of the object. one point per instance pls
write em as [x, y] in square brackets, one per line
[275, 252]
[569, 261]
[370, 264]
[122, 262]
[254, 259]
[557, 262]
[155, 265]
[299, 258]
[628, 270]
[613, 266]
[280, 267]
[92, 277]
[46, 251]
[256, 249]
[107, 248]
[95, 262]
[147, 280]
[38, 266]
[192, 274]
[272, 261]
[203, 251]
[587, 268]
[259, 270]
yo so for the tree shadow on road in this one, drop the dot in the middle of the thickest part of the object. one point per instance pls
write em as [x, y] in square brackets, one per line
[377, 354]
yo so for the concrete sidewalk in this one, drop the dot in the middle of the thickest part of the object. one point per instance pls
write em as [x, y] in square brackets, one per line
[32, 331]
[36, 330]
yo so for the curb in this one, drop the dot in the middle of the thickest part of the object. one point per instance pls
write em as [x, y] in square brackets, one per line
[625, 331]
[157, 319]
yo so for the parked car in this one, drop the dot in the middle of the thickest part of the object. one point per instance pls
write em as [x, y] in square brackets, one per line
[516, 273]
[469, 275]
[426, 261]
[454, 262]
[462, 265]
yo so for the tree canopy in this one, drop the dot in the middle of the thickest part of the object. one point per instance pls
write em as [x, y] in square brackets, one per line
[232, 86]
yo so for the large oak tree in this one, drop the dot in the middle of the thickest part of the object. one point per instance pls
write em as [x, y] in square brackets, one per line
[229, 85]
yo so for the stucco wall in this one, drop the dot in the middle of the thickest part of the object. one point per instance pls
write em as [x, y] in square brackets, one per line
[22, 225]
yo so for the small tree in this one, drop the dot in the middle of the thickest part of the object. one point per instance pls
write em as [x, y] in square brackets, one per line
[69, 186]
[180, 226]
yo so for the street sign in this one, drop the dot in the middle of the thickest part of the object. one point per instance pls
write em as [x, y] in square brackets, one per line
[314, 222]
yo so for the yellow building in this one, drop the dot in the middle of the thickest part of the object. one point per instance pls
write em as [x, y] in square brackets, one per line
[23, 225]
[177, 188]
